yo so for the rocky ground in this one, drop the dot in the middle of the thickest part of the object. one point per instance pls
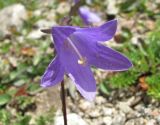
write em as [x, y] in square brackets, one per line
[121, 107]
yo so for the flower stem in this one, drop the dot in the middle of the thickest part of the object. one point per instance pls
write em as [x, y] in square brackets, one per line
[63, 98]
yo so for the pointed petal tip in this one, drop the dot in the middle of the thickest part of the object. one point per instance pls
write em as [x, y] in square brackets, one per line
[108, 30]
[116, 22]
[47, 83]
[88, 92]
[113, 21]
[130, 64]
[90, 96]
[53, 75]
[127, 66]
[44, 84]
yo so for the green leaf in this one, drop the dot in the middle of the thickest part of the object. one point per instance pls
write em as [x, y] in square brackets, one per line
[34, 88]
[154, 85]
[104, 87]
[25, 120]
[5, 117]
[121, 80]
[4, 99]
[36, 59]
[19, 82]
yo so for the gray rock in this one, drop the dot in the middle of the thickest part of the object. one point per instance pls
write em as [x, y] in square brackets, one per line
[140, 108]
[119, 119]
[107, 111]
[131, 100]
[95, 113]
[112, 8]
[45, 23]
[85, 105]
[35, 34]
[45, 3]
[148, 111]
[136, 121]
[158, 119]
[157, 1]
[38, 12]
[41, 24]
[130, 122]
[12, 17]
[97, 121]
[100, 100]
[73, 119]
[151, 122]
[107, 120]
[63, 8]
[124, 107]
[51, 15]
[133, 114]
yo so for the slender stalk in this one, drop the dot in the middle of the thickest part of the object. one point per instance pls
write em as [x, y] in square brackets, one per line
[63, 99]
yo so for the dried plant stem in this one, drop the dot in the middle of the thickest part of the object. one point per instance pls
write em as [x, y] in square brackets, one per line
[63, 99]
[67, 19]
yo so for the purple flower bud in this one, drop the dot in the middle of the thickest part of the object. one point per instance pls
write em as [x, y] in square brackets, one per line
[87, 15]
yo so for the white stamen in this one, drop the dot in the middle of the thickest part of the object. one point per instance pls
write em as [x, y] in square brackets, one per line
[81, 60]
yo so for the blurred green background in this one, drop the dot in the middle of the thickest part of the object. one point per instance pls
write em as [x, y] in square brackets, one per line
[25, 52]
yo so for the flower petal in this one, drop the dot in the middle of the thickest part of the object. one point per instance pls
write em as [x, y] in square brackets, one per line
[80, 74]
[102, 33]
[53, 74]
[60, 33]
[109, 59]
[99, 55]
[108, 30]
